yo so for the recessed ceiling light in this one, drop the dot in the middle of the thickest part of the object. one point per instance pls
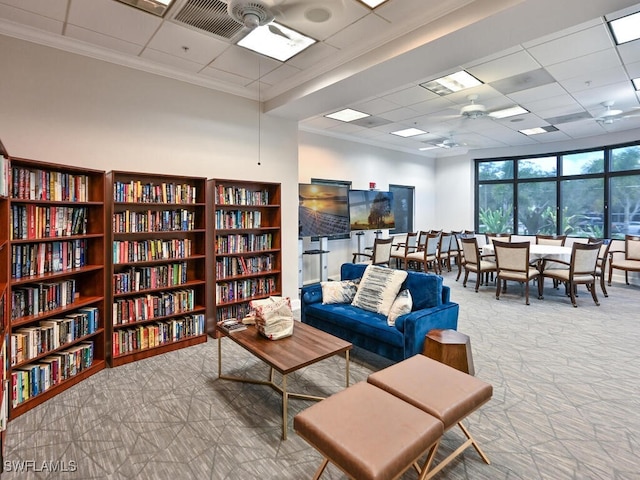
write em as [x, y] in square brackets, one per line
[373, 3]
[347, 115]
[156, 7]
[276, 41]
[408, 132]
[451, 83]
[626, 29]
[538, 130]
[636, 83]
[509, 112]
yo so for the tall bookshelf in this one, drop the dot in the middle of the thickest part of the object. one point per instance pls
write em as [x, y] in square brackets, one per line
[56, 249]
[246, 245]
[157, 265]
[4, 295]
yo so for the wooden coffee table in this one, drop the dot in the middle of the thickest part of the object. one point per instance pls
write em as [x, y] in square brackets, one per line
[305, 347]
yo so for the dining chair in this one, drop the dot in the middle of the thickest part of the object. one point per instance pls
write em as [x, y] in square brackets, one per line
[503, 237]
[512, 264]
[603, 258]
[631, 260]
[426, 256]
[381, 254]
[581, 271]
[474, 261]
[400, 251]
[444, 251]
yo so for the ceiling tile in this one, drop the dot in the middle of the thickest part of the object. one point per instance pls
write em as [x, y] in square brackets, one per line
[114, 19]
[200, 48]
[621, 93]
[523, 81]
[563, 33]
[634, 69]
[571, 46]
[354, 33]
[31, 19]
[553, 106]
[410, 96]
[281, 73]
[595, 79]
[505, 67]
[240, 61]
[371, 122]
[105, 41]
[167, 59]
[312, 55]
[399, 114]
[533, 94]
[593, 62]
[53, 9]
[630, 52]
[375, 106]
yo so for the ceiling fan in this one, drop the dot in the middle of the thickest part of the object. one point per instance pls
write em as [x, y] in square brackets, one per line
[473, 110]
[611, 115]
[446, 143]
[257, 13]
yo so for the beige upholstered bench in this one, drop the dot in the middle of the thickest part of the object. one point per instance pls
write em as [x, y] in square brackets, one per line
[380, 428]
[440, 390]
[368, 433]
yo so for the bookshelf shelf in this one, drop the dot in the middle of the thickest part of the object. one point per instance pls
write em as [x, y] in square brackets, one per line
[246, 246]
[56, 255]
[158, 280]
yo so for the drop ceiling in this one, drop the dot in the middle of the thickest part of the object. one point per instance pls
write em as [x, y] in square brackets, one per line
[558, 60]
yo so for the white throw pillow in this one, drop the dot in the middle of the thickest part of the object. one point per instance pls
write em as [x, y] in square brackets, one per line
[401, 306]
[378, 289]
[338, 292]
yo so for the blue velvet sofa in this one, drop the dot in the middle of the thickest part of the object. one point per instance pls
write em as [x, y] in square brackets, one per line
[432, 308]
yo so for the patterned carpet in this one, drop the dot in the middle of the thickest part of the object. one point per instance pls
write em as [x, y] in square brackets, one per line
[566, 403]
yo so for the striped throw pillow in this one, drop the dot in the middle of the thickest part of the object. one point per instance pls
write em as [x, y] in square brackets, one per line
[378, 289]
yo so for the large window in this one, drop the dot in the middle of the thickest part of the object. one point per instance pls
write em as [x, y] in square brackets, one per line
[402, 208]
[593, 193]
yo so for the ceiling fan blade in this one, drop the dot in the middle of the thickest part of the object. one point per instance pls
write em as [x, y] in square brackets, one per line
[276, 31]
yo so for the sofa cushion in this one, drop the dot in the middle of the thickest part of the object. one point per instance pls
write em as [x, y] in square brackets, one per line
[378, 289]
[338, 292]
[401, 306]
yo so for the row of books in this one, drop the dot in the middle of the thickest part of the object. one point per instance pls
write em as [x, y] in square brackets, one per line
[130, 310]
[35, 221]
[233, 266]
[148, 250]
[153, 221]
[243, 243]
[30, 342]
[36, 184]
[244, 289]
[226, 219]
[30, 380]
[47, 257]
[138, 192]
[238, 312]
[144, 337]
[41, 297]
[240, 196]
[136, 279]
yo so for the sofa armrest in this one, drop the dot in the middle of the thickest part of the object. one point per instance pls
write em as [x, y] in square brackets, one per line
[416, 325]
[446, 294]
[311, 294]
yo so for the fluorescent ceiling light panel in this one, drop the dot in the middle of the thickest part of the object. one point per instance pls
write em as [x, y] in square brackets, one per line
[373, 3]
[279, 42]
[538, 130]
[408, 132]
[509, 112]
[156, 7]
[347, 115]
[451, 83]
[626, 29]
[432, 147]
[636, 83]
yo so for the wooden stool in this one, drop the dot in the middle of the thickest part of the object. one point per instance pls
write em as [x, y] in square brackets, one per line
[451, 348]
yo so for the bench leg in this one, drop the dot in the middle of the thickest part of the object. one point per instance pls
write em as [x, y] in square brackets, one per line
[321, 468]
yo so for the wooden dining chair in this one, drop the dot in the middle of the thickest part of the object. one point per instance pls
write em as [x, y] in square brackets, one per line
[630, 262]
[581, 271]
[512, 264]
[401, 250]
[427, 255]
[381, 254]
[444, 251]
[474, 261]
[551, 240]
[603, 258]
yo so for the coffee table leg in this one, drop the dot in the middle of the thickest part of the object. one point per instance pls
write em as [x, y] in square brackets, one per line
[346, 357]
[285, 401]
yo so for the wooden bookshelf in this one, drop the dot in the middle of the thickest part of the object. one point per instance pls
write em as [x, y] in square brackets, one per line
[4, 295]
[55, 221]
[157, 266]
[246, 246]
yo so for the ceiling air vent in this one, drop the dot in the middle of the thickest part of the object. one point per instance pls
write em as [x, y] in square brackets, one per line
[210, 16]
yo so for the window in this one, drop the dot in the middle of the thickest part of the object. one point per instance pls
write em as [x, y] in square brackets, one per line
[593, 193]
[403, 197]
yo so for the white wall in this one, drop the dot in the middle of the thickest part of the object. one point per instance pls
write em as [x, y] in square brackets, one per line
[65, 108]
[336, 159]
